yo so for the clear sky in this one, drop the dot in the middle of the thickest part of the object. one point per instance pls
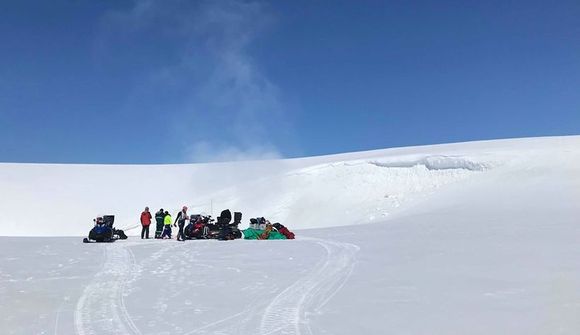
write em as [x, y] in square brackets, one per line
[170, 81]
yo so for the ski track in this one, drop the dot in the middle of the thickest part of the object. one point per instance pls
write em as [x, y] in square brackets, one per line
[56, 318]
[101, 308]
[288, 312]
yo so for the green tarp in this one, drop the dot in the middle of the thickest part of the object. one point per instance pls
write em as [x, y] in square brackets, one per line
[252, 234]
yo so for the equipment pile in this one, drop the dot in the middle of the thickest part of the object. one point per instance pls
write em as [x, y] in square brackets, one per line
[262, 229]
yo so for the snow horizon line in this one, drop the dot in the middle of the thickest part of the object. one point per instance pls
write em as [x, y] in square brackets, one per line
[289, 158]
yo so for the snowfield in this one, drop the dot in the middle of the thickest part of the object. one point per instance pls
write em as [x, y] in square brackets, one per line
[466, 238]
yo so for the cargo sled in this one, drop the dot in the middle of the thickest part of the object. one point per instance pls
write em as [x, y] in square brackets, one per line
[262, 229]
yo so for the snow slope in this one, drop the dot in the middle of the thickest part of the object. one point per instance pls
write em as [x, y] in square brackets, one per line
[344, 189]
[468, 238]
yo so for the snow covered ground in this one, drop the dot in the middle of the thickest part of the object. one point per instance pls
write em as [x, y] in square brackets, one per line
[467, 238]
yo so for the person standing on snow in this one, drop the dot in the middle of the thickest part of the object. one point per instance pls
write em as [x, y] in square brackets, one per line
[159, 216]
[166, 225]
[145, 222]
[180, 220]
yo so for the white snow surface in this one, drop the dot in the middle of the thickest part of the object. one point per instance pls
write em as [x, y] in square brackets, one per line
[466, 238]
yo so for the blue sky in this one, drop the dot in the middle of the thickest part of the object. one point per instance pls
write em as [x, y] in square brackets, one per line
[172, 81]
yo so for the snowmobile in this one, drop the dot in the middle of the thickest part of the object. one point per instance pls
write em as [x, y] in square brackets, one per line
[198, 227]
[205, 227]
[103, 231]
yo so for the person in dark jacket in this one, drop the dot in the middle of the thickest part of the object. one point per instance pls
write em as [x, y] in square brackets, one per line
[145, 222]
[180, 220]
[159, 216]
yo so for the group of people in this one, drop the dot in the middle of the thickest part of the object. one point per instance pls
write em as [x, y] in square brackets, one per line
[260, 228]
[163, 222]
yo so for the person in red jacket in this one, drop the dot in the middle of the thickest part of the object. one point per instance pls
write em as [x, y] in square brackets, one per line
[145, 222]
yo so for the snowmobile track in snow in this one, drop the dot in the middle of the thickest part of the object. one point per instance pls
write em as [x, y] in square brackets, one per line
[101, 308]
[288, 312]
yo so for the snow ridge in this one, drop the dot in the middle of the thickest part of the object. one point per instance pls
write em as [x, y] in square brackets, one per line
[437, 162]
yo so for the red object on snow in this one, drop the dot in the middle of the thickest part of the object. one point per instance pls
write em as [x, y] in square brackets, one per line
[284, 231]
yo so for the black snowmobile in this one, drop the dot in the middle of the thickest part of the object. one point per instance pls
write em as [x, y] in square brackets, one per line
[205, 227]
[103, 231]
